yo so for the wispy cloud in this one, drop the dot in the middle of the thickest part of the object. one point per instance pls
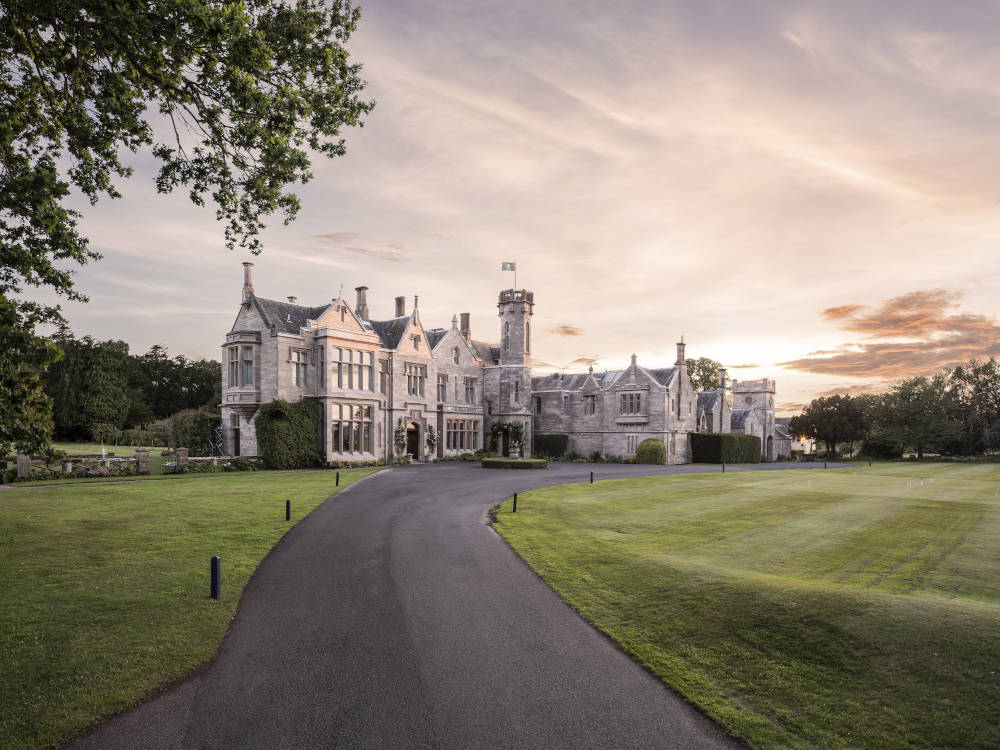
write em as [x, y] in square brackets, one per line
[566, 330]
[913, 334]
[347, 242]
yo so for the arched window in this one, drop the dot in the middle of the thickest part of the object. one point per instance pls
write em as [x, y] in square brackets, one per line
[527, 338]
[506, 337]
[456, 355]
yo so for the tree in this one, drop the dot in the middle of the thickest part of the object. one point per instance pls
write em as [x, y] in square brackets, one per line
[920, 414]
[704, 373]
[244, 91]
[976, 389]
[831, 420]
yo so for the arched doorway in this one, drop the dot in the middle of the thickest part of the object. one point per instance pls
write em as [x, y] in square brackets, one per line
[770, 448]
[413, 440]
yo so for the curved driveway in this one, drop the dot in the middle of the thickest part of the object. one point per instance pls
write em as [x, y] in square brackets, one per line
[395, 617]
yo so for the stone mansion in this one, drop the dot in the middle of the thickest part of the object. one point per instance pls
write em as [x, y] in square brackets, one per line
[386, 382]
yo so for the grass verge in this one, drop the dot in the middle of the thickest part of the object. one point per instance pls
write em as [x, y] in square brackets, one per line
[105, 587]
[849, 608]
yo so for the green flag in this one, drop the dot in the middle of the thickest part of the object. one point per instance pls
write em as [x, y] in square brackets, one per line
[508, 266]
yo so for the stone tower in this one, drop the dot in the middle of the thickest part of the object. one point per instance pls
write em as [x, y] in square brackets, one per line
[759, 396]
[513, 369]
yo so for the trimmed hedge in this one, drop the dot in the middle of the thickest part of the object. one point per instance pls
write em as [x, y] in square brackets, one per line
[651, 451]
[551, 445]
[288, 434]
[728, 447]
[515, 463]
[195, 429]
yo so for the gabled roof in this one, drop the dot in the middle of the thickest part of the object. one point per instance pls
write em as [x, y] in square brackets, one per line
[739, 417]
[286, 317]
[707, 401]
[782, 430]
[390, 332]
[662, 375]
[434, 335]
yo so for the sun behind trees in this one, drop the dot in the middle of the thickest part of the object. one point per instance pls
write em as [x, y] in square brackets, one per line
[955, 412]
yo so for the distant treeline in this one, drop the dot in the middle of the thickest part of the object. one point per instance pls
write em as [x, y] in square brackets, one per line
[955, 412]
[99, 389]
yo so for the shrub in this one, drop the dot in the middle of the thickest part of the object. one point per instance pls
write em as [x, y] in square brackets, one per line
[651, 451]
[467, 457]
[880, 446]
[195, 430]
[550, 445]
[514, 463]
[595, 457]
[288, 434]
[728, 447]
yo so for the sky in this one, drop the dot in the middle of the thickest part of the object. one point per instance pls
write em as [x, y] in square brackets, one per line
[806, 191]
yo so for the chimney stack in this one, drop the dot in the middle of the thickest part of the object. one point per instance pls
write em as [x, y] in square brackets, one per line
[362, 307]
[680, 351]
[400, 307]
[247, 281]
[293, 300]
[722, 380]
[465, 329]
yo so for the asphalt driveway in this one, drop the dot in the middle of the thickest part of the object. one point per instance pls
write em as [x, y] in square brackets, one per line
[395, 617]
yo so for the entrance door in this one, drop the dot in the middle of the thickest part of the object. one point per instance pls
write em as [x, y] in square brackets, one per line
[412, 440]
[505, 437]
[770, 448]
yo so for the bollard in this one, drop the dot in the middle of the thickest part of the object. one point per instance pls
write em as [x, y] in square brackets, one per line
[515, 503]
[824, 464]
[288, 510]
[216, 576]
[591, 477]
[723, 467]
[869, 462]
[338, 480]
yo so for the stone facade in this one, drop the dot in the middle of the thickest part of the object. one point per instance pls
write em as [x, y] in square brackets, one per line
[384, 384]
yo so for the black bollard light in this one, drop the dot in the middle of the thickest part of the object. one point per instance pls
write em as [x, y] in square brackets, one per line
[288, 510]
[338, 480]
[591, 477]
[869, 462]
[216, 576]
[824, 464]
[515, 503]
[723, 467]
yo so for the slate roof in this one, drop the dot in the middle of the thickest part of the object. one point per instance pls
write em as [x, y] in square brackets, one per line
[782, 430]
[707, 401]
[559, 382]
[434, 335]
[662, 375]
[739, 418]
[487, 352]
[390, 331]
[286, 317]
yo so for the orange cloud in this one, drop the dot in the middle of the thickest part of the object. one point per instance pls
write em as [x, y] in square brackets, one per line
[913, 334]
[566, 330]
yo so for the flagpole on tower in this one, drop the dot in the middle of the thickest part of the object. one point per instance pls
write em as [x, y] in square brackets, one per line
[509, 265]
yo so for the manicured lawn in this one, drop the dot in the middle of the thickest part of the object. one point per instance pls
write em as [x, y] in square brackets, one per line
[835, 608]
[94, 449]
[105, 587]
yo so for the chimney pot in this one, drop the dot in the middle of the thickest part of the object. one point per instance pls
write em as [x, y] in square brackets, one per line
[400, 307]
[362, 307]
[247, 281]
[680, 351]
[293, 300]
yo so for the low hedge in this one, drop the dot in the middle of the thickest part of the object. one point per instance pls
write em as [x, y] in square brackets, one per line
[550, 445]
[728, 448]
[651, 451]
[514, 463]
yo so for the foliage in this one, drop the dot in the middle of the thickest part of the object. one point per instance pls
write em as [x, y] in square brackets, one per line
[247, 89]
[882, 446]
[25, 411]
[704, 373]
[727, 447]
[194, 429]
[431, 439]
[288, 434]
[138, 438]
[918, 413]
[102, 432]
[515, 433]
[831, 420]
[514, 463]
[399, 437]
[975, 388]
[550, 445]
[164, 386]
[651, 451]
